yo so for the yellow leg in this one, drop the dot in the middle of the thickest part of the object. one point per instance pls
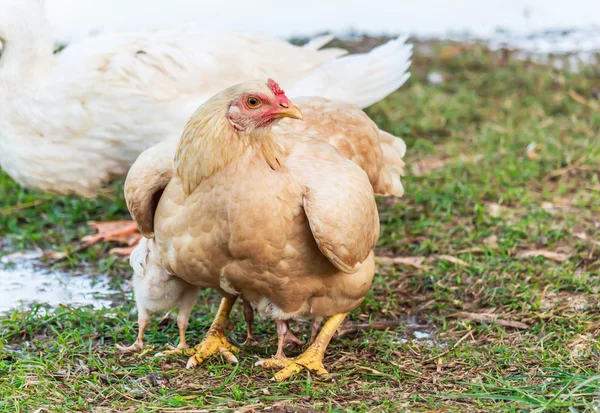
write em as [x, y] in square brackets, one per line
[214, 341]
[312, 358]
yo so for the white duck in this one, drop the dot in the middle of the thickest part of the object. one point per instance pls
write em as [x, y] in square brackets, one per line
[71, 121]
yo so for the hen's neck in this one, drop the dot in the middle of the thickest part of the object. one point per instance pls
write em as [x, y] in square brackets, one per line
[210, 143]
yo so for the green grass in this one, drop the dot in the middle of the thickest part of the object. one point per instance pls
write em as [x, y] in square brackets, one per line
[473, 192]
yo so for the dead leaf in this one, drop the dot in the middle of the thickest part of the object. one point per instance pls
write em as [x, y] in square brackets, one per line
[577, 97]
[491, 319]
[472, 250]
[491, 241]
[427, 165]
[494, 209]
[416, 262]
[551, 255]
[453, 260]
[531, 151]
[558, 207]
[449, 52]
[249, 408]
[582, 235]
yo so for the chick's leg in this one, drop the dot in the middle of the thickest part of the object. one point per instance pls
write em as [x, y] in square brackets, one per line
[138, 345]
[215, 341]
[285, 338]
[124, 232]
[183, 317]
[312, 358]
[249, 317]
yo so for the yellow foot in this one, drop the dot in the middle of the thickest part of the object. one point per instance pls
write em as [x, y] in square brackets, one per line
[215, 342]
[177, 351]
[310, 360]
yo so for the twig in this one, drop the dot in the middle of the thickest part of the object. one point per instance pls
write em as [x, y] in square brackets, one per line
[8, 210]
[378, 325]
[443, 353]
[491, 319]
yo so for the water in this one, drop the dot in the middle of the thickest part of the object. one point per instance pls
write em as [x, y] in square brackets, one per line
[24, 282]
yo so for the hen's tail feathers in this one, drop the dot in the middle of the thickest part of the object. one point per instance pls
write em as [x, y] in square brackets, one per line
[362, 79]
[331, 53]
[318, 42]
[393, 150]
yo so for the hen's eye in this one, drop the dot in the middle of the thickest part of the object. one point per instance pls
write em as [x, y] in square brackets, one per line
[253, 102]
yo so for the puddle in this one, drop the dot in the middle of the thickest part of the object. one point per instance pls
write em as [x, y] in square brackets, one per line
[419, 333]
[24, 282]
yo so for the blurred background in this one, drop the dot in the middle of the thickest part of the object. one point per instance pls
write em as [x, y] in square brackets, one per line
[535, 27]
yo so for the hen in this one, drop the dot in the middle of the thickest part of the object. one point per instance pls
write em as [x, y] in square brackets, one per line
[272, 213]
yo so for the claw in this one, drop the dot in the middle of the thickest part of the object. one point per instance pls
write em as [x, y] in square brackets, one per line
[214, 343]
[289, 366]
[136, 347]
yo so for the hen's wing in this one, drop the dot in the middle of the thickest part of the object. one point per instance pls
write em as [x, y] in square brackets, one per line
[357, 137]
[338, 201]
[146, 181]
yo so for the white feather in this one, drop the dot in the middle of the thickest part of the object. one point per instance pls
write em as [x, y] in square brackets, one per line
[362, 79]
[71, 121]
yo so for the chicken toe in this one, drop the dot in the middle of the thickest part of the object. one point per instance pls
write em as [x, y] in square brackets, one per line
[311, 359]
[215, 341]
[136, 347]
[285, 338]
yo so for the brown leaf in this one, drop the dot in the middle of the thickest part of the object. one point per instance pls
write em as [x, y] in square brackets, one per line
[453, 260]
[494, 209]
[577, 97]
[416, 262]
[560, 206]
[582, 235]
[449, 52]
[471, 250]
[551, 255]
[247, 409]
[491, 241]
[531, 151]
[491, 319]
[428, 164]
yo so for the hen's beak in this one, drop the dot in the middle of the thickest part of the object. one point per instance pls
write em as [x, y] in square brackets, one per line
[288, 110]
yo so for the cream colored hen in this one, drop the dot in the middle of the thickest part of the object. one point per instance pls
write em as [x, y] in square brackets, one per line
[272, 213]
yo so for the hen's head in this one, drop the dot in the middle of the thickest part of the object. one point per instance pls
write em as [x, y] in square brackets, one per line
[256, 105]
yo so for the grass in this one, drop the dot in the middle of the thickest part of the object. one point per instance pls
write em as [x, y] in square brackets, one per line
[503, 162]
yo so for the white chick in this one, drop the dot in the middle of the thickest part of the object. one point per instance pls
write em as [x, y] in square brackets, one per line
[157, 290]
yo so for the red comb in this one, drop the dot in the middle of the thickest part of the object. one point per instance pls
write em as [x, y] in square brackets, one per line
[275, 87]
